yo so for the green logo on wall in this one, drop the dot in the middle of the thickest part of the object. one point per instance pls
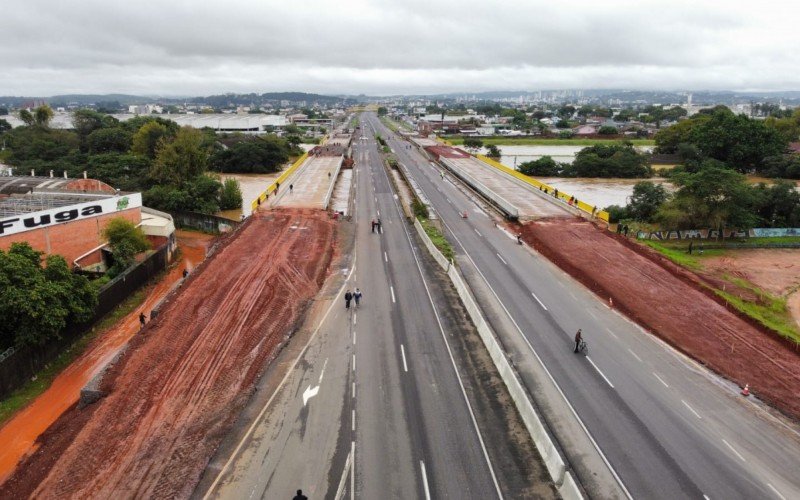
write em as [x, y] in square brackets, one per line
[122, 203]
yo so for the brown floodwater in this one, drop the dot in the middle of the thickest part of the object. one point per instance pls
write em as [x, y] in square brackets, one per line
[251, 185]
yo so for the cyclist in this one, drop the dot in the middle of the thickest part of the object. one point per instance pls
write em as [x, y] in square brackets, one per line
[578, 339]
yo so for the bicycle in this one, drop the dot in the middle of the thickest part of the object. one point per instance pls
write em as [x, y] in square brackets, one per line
[583, 348]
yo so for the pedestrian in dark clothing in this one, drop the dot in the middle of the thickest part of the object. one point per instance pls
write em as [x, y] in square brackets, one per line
[373, 225]
[380, 226]
[619, 228]
[578, 338]
[142, 319]
[357, 296]
[277, 185]
[625, 230]
[347, 298]
[185, 273]
[555, 193]
[300, 496]
[691, 244]
[291, 187]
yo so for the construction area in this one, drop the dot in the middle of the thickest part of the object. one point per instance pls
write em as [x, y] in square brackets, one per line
[311, 185]
[174, 393]
[670, 302]
[513, 197]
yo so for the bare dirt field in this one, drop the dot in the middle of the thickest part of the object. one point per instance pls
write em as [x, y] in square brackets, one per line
[19, 434]
[180, 386]
[775, 270]
[666, 300]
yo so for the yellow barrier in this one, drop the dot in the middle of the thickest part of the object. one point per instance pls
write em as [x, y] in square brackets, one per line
[271, 188]
[541, 185]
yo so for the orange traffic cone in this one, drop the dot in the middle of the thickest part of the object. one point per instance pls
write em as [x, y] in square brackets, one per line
[746, 390]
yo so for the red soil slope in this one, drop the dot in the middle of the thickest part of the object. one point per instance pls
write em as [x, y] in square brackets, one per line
[674, 308]
[177, 391]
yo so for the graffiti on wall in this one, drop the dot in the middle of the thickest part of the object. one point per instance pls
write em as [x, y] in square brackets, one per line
[713, 234]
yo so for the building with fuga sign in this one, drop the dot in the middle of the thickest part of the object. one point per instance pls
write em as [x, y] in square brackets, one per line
[67, 216]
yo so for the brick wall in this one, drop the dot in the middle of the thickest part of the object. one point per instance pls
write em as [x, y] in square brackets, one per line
[70, 239]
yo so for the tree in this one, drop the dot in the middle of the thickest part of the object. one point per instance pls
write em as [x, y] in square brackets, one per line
[610, 160]
[42, 116]
[777, 205]
[86, 121]
[26, 117]
[382, 111]
[545, 166]
[562, 124]
[668, 139]
[493, 151]
[4, 126]
[123, 171]
[126, 241]
[231, 195]
[260, 155]
[182, 159]
[473, 143]
[608, 130]
[646, 199]
[37, 303]
[147, 139]
[108, 140]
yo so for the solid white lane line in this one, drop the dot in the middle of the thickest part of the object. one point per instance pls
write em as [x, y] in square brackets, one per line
[635, 356]
[661, 380]
[289, 372]
[776, 492]
[479, 234]
[539, 301]
[353, 421]
[501, 258]
[353, 471]
[391, 289]
[385, 257]
[425, 480]
[691, 409]
[612, 333]
[601, 373]
[541, 363]
[734, 451]
[403, 352]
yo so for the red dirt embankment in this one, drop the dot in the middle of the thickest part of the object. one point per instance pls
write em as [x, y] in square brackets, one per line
[178, 389]
[673, 307]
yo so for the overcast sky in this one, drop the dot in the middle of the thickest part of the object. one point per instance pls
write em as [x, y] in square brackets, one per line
[200, 47]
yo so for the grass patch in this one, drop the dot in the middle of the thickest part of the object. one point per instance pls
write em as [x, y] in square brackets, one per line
[773, 313]
[20, 398]
[438, 239]
[679, 255]
[536, 141]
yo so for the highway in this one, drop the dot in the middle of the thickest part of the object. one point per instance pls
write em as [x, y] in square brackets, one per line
[667, 427]
[374, 402]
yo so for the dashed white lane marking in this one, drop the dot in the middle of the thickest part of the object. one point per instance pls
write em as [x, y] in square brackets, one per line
[612, 333]
[635, 356]
[403, 353]
[476, 231]
[391, 289]
[355, 318]
[385, 257]
[691, 409]
[353, 394]
[378, 212]
[425, 480]
[539, 301]
[501, 258]
[706, 497]
[353, 471]
[600, 372]
[776, 492]
[354, 337]
[661, 380]
[353, 421]
[734, 451]
[354, 362]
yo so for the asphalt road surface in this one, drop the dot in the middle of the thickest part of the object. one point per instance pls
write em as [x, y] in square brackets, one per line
[668, 427]
[374, 406]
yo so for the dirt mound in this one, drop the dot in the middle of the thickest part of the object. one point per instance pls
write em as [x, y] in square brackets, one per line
[668, 301]
[177, 391]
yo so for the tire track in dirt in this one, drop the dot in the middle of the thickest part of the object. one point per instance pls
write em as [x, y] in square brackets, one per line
[174, 395]
[673, 305]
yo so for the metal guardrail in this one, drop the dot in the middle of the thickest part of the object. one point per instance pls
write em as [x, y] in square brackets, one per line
[6, 354]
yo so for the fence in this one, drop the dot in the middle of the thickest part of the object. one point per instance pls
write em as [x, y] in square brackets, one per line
[22, 363]
[203, 222]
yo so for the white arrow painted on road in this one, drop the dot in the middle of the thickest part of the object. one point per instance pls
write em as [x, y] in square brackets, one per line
[313, 391]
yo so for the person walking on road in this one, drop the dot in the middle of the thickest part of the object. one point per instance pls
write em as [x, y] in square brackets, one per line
[357, 296]
[578, 338]
[185, 273]
[300, 496]
[142, 319]
[277, 185]
[347, 298]
[291, 187]
[380, 226]
[373, 225]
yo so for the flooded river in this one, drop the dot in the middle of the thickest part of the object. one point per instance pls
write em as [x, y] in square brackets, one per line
[514, 155]
[251, 185]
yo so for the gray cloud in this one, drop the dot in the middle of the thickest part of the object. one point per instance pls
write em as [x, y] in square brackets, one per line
[199, 47]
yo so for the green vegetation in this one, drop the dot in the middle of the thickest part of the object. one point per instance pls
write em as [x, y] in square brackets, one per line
[438, 239]
[38, 302]
[20, 398]
[126, 241]
[493, 151]
[231, 196]
[536, 141]
[769, 310]
[419, 209]
[472, 143]
[613, 159]
[256, 155]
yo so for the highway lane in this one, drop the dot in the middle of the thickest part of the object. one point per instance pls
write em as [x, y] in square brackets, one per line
[373, 406]
[669, 428]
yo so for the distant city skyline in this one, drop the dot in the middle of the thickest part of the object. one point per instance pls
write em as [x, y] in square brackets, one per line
[387, 48]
